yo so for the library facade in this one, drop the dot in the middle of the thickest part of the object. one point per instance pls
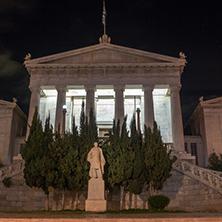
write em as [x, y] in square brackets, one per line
[112, 80]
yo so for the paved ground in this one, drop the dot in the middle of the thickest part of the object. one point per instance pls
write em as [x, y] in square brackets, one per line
[88, 216]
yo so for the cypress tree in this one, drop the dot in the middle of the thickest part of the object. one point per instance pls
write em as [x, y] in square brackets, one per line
[92, 128]
[137, 181]
[38, 162]
[119, 156]
[111, 152]
[126, 158]
[158, 162]
[59, 175]
[88, 135]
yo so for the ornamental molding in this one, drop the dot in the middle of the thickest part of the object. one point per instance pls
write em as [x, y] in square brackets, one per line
[204, 176]
[104, 72]
[106, 49]
[12, 170]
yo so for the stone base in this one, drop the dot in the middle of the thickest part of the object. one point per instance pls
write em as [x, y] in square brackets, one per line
[96, 201]
[95, 205]
[184, 156]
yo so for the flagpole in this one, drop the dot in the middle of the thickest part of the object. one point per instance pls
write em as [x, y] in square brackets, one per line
[104, 21]
[104, 38]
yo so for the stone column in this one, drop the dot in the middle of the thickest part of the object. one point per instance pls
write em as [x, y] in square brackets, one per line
[148, 105]
[177, 123]
[90, 99]
[61, 101]
[119, 103]
[34, 103]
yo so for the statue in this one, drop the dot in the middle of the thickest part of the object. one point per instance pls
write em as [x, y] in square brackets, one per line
[15, 100]
[182, 55]
[28, 57]
[97, 162]
[201, 99]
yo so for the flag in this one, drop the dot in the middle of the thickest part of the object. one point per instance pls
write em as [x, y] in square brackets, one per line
[104, 14]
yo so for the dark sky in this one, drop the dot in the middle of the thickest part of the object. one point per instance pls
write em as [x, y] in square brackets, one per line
[44, 27]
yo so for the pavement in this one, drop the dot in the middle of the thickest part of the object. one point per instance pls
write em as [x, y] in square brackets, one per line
[111, 216]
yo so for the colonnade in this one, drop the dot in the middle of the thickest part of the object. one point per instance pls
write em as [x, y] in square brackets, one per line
[177, 125]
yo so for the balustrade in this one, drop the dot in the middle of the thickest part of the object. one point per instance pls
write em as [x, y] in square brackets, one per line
[212, 179]
[12, 170]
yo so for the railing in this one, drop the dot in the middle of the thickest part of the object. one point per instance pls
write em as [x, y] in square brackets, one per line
[218, 173]
[202, 175]
[208, 177]
[12, 170]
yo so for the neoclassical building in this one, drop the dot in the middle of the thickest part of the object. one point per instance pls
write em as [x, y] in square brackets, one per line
[204, 130]
[13, 124]
[114, 81]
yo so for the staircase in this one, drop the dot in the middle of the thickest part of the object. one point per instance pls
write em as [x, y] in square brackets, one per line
[212, 179]
[12, 170]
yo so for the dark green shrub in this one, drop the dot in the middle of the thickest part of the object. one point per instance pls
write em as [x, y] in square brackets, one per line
[158, 202]
[7, 181]
[1, 164]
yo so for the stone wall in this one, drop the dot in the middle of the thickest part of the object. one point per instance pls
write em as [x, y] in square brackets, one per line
[185, 193]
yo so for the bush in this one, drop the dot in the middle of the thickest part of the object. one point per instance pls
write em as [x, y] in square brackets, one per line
[158, 202]
[1, 164]
[7, 181]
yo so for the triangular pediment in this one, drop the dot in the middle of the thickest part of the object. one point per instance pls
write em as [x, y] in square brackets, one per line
[105, 54]
[6, 104]
[212, 102]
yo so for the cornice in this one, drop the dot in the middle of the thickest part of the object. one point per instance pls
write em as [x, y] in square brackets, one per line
[104, 65]
[93, 48]
[104, 72]
[13, 106]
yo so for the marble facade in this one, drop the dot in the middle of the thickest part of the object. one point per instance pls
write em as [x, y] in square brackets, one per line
[114, 81]
[204, 130]
[13, 124]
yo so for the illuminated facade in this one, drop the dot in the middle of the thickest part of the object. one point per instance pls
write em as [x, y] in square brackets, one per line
[204, 130]
[113, 80]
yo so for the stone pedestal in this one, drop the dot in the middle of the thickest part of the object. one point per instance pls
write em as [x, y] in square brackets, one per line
[96, 196]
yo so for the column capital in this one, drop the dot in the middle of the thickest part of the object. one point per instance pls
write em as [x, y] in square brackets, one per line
[61, 88]
[175, 88]
[34, 88]
[148, 86]
[119, 87]
[90, 87]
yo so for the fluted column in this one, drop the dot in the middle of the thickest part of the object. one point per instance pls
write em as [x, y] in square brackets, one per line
[148, 105]
[90, 99]
[61, 101]
[34, 103]
[177, 123]
[119, 103]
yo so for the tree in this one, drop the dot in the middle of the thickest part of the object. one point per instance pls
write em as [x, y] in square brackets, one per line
[111, 152]
[137, 181]
[88, 135]
[60, 175]
[74, 161]
[120, 157]
[38, 162]
[215, 161]
[158, 162]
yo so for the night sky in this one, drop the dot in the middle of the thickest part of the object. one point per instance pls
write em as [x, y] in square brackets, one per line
[45, 27]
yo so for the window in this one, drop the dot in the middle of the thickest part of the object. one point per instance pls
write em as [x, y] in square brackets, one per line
[21, 147]
[194, 151]
[186, 147]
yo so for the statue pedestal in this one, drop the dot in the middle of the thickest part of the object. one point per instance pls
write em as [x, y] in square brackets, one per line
[96, 191]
